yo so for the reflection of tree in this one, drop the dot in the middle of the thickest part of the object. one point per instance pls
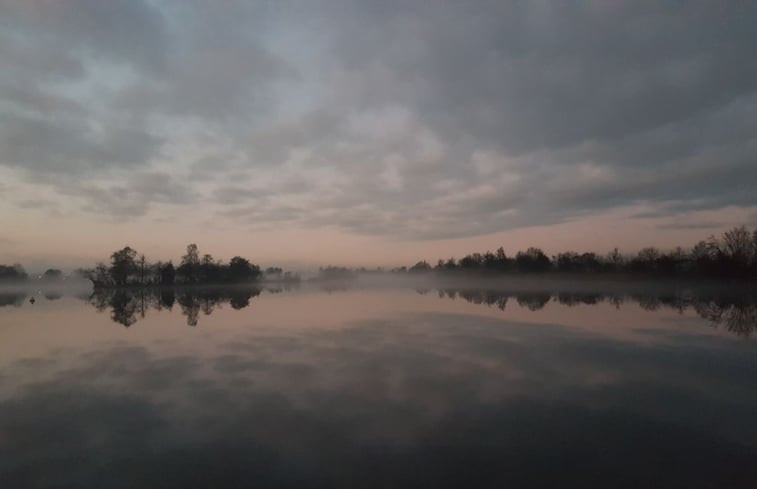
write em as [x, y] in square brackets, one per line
[488, 297]
[12, 298]
[648, 302]
[239, 299]
[738, 314]
[575, 298]
[167, 298]
[190, 306]
[615, 300]
[124, 308]
[127, 305]
[533, 300]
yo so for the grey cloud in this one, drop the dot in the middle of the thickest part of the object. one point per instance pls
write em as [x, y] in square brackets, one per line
[130, 31]
[693, 225]
[525, 76]
[235, 195]
[35, 204]
[373, 119]
[659, 102]
[46, 145]
[136, 196]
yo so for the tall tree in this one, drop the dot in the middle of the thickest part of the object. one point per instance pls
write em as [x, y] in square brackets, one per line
[122, 265]
[190, 264]
[240, 270]
[737, 244]
[167, 274]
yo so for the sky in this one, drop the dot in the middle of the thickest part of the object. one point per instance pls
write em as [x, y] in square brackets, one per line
[306, 133]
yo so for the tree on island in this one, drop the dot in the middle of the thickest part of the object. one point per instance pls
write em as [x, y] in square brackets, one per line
[123, 265]
[190, 265]
[241, 270]
[167, 274]
[127, 270]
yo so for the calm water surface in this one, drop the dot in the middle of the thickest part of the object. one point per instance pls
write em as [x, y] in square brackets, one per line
[377, 387]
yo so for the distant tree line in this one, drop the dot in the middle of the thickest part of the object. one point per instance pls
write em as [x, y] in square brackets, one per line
[129, 268]
[12, 273]
[732, 255]
[334, 273]
[16, 273]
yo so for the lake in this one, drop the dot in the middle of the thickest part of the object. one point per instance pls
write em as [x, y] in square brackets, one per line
[378, 386]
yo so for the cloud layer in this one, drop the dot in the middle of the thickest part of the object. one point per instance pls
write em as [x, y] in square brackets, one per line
[420, 120]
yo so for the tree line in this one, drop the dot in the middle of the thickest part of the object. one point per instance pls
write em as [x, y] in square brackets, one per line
[732, 255]
[16, 273]
[13, 273]
[127, 267]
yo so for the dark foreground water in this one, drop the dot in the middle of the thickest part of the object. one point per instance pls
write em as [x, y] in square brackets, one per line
[378, 387]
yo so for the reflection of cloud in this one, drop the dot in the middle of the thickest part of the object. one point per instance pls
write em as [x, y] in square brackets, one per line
[427, 400]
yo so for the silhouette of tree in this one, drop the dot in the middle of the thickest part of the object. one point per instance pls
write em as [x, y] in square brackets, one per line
[240, 270]
[143, 268]
[490, 260]
[472, 261]
[52, 274]
[167, 274]
[615, 259]
[14, 273]
[737, 245]
[102, 274]
[274, 271]
[190, 264]
[502, 260]
[123, 265]
[209, 270]
[567, 262]
[421, 266]
[532, 260]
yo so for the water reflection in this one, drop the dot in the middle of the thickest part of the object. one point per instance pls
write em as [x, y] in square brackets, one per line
[433, 400]
[128, 306]
[12, 298]
[736, 312]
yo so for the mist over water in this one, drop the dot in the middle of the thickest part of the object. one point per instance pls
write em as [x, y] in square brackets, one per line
[380, 383]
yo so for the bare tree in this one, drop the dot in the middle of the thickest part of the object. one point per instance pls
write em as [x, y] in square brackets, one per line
[737, 244]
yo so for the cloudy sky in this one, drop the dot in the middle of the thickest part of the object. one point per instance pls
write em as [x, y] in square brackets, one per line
[373, 133]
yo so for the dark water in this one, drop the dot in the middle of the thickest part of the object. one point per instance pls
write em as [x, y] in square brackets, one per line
[378, 387]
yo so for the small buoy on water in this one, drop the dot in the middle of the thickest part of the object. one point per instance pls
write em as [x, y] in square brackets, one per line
[32, 300]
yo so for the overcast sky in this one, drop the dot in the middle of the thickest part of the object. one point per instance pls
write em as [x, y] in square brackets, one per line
[374, 133]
